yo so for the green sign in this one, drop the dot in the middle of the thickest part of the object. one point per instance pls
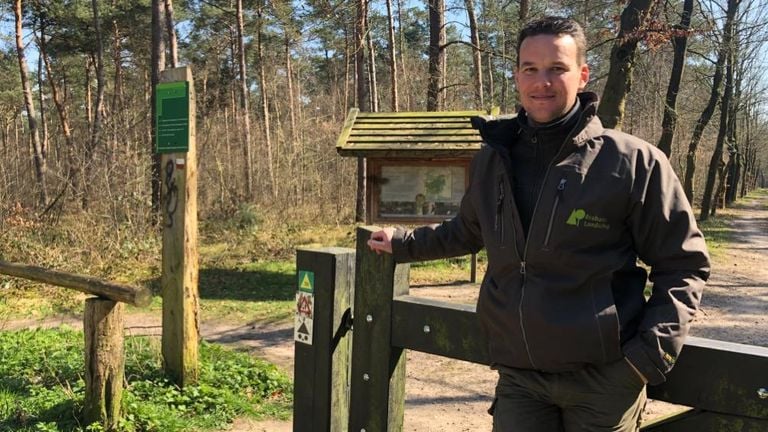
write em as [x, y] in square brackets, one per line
[172, 120]
[306, 281]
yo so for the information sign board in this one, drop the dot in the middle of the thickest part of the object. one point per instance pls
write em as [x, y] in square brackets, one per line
[172, 120]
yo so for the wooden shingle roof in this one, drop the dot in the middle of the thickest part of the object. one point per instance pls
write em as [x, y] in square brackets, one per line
[410, 134]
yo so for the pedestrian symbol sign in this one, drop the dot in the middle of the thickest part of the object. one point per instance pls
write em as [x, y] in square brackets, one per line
[306, 281]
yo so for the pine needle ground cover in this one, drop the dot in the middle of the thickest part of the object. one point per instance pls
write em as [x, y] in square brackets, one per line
[42, 386]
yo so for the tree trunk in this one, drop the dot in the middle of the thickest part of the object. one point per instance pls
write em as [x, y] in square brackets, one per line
[717, 156]
[158, 64]
[476, 58]
[619, 81]
[37, 152]
[291, 94]
[709, 110]
[98, 111]
[680, 46]
[265, 101]
[41, 97]
[173, 49]
[374, 86]
[363, 102]
[104, 361]
[436, 53]
[394, 103]
[363, 99]
[524, 9]
[244, 111]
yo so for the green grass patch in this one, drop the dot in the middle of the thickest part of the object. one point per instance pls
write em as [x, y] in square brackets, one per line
[42, 386]
[719, 233]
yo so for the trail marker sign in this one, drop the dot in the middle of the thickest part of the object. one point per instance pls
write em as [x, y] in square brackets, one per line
[172, 120]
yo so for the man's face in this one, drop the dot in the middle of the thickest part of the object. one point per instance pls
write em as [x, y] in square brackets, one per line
[549, 75]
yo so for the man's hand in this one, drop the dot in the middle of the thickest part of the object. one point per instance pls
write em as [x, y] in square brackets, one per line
[381, 241]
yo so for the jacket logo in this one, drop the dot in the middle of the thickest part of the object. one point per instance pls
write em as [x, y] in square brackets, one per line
[580, 218]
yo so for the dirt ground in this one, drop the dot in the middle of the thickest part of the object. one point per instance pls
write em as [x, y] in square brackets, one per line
[444, 395]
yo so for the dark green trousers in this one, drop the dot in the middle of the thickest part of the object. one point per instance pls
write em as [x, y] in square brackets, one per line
[610, 397]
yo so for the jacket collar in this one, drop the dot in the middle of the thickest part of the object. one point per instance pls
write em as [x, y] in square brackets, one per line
[498, 131]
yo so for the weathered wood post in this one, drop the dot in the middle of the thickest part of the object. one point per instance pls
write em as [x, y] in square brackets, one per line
[104, 361]
[176, 141]
[325, 279]
[378, 368]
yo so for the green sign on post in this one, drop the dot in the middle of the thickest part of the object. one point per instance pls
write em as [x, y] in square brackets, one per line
[172, 120]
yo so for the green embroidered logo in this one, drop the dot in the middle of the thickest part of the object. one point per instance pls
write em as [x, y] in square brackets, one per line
[580, 218]
[576, 216]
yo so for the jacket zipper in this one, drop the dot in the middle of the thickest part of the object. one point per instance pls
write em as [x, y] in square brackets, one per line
[525, 252]
[558, 197]
[499, 223]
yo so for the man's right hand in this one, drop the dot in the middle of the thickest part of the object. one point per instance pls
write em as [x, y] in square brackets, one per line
[381, 241]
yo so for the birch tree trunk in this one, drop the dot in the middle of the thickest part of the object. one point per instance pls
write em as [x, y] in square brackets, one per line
[37, 152]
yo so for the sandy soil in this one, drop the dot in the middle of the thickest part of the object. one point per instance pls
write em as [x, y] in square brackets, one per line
[444, 395]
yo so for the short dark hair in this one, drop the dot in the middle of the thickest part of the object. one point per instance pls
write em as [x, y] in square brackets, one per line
[557, 26]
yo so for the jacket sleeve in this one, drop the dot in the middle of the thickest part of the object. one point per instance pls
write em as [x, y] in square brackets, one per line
[666, 238]
[458, 236]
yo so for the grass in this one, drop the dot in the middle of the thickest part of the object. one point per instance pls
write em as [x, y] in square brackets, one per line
[42, 386]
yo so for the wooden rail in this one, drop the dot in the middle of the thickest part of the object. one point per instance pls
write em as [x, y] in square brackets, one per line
[724, 384]
[135, 296]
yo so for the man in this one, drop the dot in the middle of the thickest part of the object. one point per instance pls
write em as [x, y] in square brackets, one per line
[564, 208]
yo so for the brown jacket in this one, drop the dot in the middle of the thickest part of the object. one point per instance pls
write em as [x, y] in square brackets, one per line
[571, 294]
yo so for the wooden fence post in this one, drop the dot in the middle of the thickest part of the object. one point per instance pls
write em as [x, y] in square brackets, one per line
[104, 361]
[181, 332]
[377, 399]
[325, 279]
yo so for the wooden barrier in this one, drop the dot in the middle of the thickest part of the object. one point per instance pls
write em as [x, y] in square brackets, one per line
[140, 297]
[725, 384]
[103, 331]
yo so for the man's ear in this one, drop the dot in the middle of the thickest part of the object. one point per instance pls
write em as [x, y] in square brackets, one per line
[584, 76]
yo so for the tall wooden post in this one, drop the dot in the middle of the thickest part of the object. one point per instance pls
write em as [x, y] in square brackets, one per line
[377, 384]
[104, 361]
[176, 141]
[325, 279]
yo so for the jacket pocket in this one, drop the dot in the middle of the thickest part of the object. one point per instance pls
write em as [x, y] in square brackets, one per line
[606, 318]
[558, 197]
[499, 220]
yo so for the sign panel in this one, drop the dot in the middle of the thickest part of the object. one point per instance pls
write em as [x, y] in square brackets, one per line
[172, 121]
[302, 329]
[420, 192]
[306, 281]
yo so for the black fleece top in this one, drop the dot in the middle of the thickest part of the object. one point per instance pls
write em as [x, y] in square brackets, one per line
[531, 154]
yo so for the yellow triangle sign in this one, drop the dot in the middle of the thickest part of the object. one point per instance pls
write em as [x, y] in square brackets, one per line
[306, 284]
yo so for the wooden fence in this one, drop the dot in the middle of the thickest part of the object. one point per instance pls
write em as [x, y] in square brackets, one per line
[104, 338]
[356, 384]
